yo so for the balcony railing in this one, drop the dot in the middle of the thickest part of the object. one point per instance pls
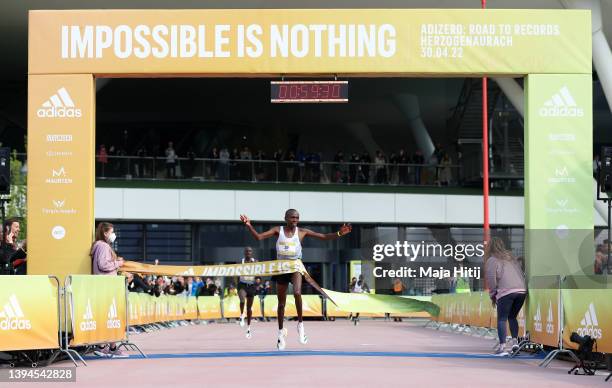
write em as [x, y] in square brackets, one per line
[272, 171]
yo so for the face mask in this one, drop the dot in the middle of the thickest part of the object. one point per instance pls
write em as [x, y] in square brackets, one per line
[112, 237]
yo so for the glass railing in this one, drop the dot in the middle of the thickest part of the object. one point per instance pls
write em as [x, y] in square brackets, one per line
[241, 170]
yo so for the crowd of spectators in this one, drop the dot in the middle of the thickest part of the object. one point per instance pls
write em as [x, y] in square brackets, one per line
[189, 286]
[243, 164]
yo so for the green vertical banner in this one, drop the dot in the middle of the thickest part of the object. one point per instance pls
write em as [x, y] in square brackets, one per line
[558, 174]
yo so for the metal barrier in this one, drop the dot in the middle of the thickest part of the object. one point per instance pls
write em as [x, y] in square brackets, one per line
[90, 324]
[61, 349]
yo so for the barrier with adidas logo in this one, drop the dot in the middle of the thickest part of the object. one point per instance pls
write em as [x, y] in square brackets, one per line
[586, 310]
[471, 309]
[311, 306]
[555, 308]
[29, 312]
[97, 309]
[231, 307]
[96, 312]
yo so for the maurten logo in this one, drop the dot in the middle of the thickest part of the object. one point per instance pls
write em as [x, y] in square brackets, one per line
[113, 322]
[12, 317]
[590, 325]
[59, 176]
[537, 320]
[89, 323]
[561, 104]
[562, 175]
[59, 105]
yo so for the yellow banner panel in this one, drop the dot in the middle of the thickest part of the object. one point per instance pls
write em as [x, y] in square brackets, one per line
[60, 174]
[332, 41]
[28, 313]
[98, 308]
[209, 307]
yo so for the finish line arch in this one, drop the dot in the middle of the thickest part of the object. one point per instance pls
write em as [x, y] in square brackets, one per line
[68, 50]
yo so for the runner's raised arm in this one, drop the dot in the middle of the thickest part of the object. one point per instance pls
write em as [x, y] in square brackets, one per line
[258, 236]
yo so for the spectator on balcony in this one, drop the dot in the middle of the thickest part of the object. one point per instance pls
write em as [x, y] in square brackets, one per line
[393, 169]
[102, 159]
[190, 164]
[261, 166]
[315, 167]
[211, 165]
[301, 158]
[432, 169]
[445, 170]
[290, 165]
[418, 160]
[113, 162]
[402, 171]
[235, 173]
[139, 163]
[123, 163]
[380, 167]
[339, 173]
[365, 166]
[352, 178]
[170, 161]
[278, 155]
[246, 167]
[224, 164]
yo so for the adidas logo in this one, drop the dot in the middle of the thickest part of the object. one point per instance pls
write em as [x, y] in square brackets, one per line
[550, 328]
[589, 324]
[89, 323]
[113, 322]
[59, 105]
[189, 271]
[561, 104]
[12, 316]
[537, 320]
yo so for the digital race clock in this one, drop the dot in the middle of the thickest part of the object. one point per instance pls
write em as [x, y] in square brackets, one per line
[308, 91]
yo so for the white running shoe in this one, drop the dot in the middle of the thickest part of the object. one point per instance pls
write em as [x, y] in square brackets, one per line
[501, 351]
[241, 320]
[281, 343]
[301, 335]
[248, 333]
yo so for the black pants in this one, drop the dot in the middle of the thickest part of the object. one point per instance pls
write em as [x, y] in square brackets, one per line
[508, 308]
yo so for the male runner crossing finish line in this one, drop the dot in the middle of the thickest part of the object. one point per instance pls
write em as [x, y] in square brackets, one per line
[289, 247]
